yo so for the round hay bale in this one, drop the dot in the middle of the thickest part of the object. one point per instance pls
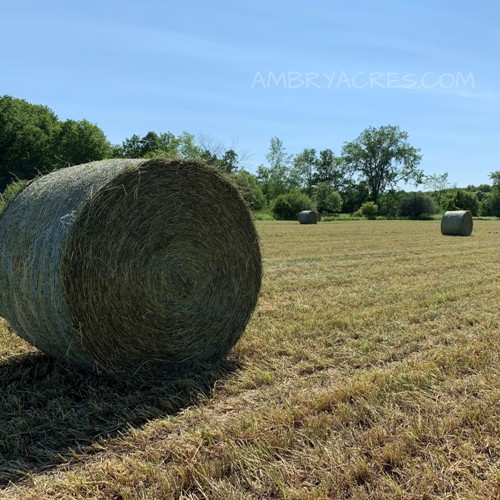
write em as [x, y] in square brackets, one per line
[319, 216]
[457, 223]
[308, 217]
[123, 265]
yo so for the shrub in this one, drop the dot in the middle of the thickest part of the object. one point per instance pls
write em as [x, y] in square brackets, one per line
[262, 215]
[287, 206]
[414, 205]
[369, 209]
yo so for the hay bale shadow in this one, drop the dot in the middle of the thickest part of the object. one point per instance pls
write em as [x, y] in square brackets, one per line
[48, 409]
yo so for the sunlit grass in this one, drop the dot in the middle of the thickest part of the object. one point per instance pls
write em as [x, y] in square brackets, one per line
[369, 370]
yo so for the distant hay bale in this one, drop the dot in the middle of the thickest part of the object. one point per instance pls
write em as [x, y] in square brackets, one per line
[123, 265]
[308, 217]
[457, 223]
[319, 216]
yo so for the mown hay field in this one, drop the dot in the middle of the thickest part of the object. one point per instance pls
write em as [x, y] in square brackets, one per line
[370, 369]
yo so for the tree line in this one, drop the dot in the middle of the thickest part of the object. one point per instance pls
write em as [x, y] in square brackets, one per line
[363, 179]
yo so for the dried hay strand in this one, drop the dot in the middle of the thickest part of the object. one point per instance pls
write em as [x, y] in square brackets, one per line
[457, 223]
[308, 217]
[124, 265]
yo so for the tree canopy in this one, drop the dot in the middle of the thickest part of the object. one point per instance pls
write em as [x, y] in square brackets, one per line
[382, 157]
[77, 142]
[370, 168]
[33, 140]
[26, 139]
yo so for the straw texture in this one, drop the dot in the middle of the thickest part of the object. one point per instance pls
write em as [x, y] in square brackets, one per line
[308, 217]
[457, 223]
[129, 265]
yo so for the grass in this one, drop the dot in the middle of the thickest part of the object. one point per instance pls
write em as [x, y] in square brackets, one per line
[370, 370]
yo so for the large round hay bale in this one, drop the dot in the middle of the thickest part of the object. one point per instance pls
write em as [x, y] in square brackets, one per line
[124, 265]
[308, 217]
[457, 223]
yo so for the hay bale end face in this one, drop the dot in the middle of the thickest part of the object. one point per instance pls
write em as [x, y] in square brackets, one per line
[308, 217]
[457, 223]
[124, 265]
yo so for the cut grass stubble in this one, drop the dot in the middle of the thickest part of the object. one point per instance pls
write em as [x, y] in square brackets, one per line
[369, 370]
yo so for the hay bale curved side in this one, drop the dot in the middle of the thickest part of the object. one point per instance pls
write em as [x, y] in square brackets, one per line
[33, 232]
[457, 223]
[130, 264]
[308, 217]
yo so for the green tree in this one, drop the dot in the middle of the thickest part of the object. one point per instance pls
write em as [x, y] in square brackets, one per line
[187, 147]
[495, 203]
[486, 205]
[330, 169]
[461, 199]
[438, 184]
[227, 164]
[417, 204]
[495, 194]
[328, 201]
[274, 179]
[389, 203]
[166, 144]
[302, 172]
[382, 157]
[354, 195]
[77, 142]
[277, 156]
[288, 206]
[132, 147]
[26, 138]
[150, 145]
[249, 189]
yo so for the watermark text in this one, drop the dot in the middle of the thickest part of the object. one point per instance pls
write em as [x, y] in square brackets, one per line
[362, 80]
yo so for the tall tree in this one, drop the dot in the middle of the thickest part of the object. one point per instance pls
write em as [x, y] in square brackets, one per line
[188, 148]
[382, 157]
[330, 169]
[274, 179]
[302, 172]
[26, 135]
[461, 199]
[354, 195]
[165, 144]
[437, 183]
[495, 193]
[249, 189]
[139, 147]
[328, 201]
[277, 156]
[132, 147]
[77, 142]
[229, 162]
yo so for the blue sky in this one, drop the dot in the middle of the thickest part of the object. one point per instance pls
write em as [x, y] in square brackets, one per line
[314, 74]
